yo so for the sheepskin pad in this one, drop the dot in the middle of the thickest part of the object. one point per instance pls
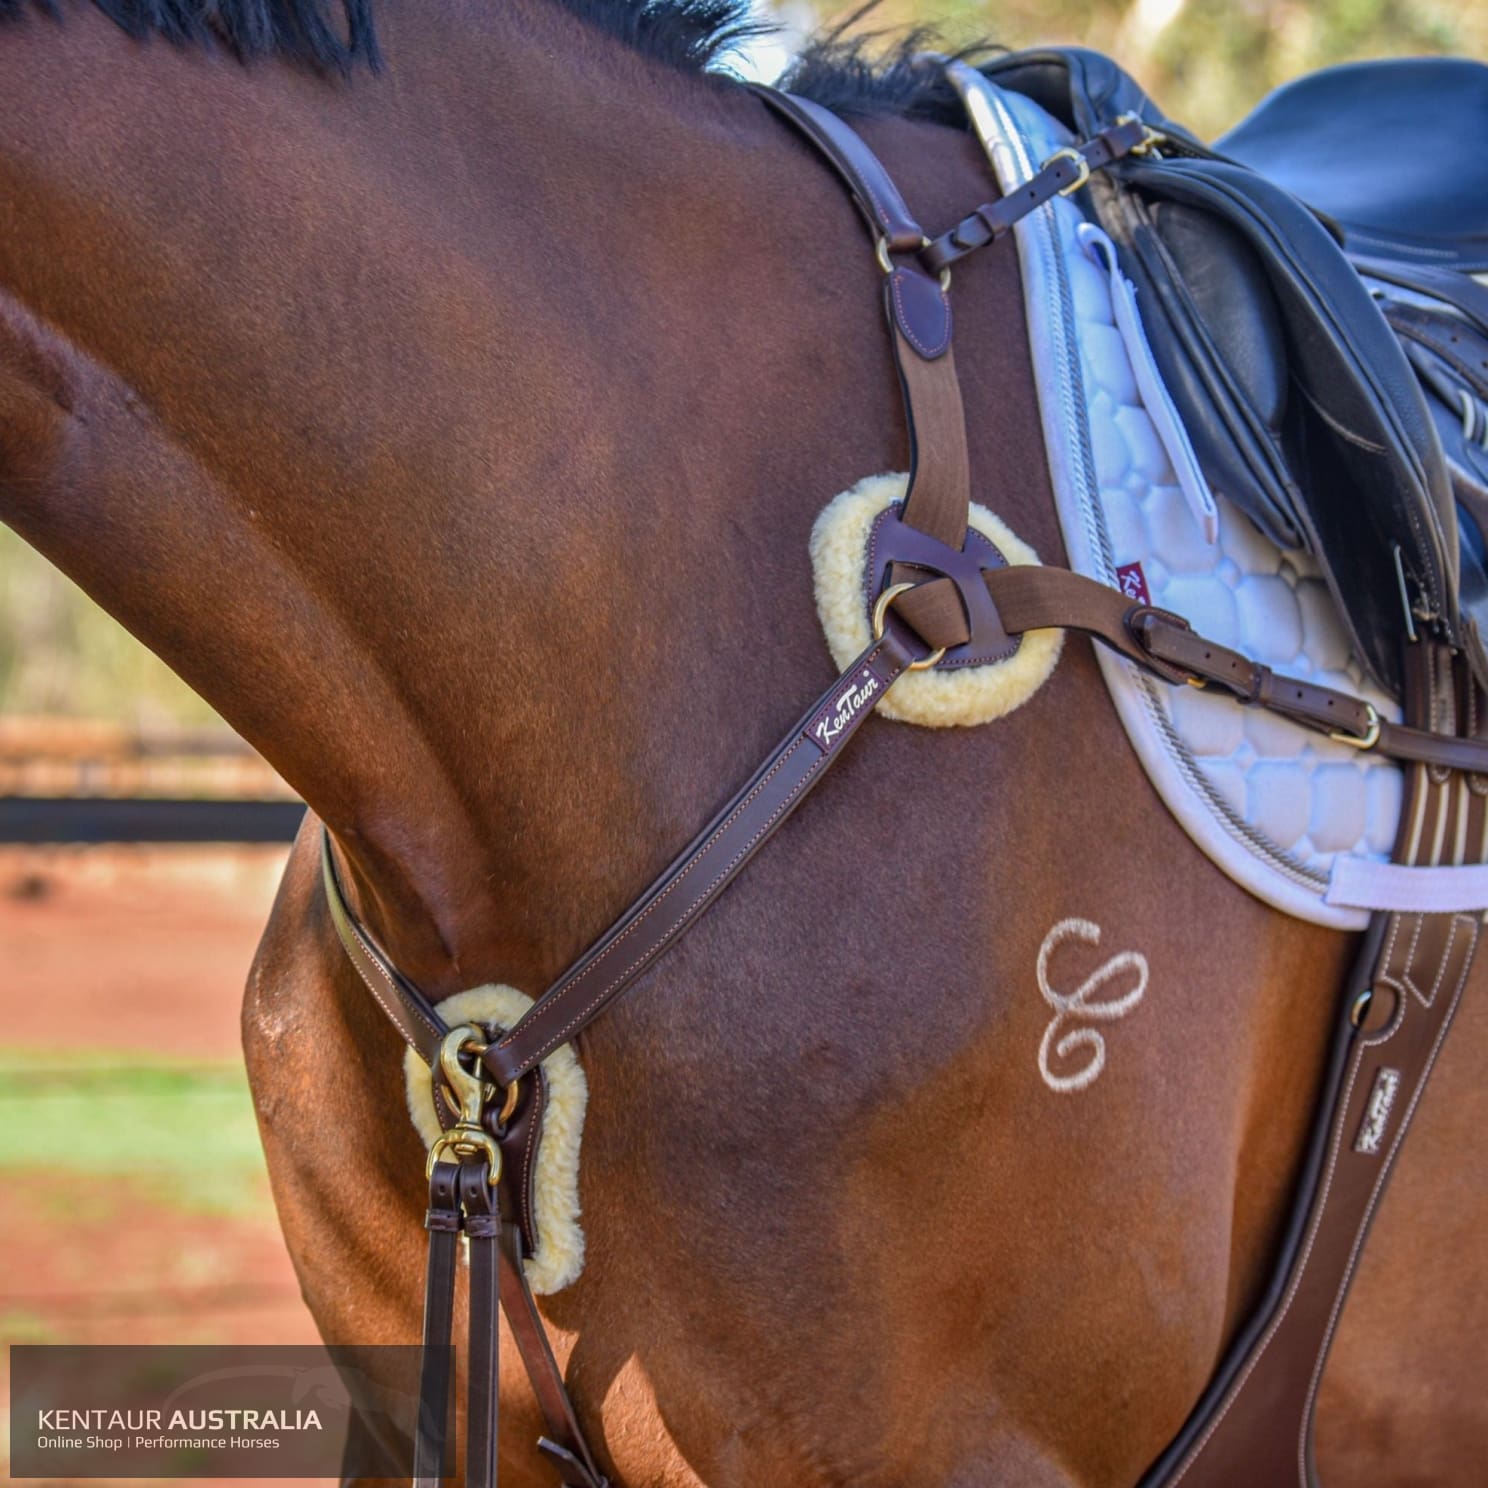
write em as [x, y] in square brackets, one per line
[936, 699]
[559, 1257]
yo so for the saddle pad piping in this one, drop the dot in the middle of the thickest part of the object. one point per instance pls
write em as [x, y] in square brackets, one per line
[1239, 848]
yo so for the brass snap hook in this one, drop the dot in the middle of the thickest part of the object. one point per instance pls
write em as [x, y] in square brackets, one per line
[471, 1090]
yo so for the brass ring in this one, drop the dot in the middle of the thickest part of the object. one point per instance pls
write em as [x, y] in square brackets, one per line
[1083, 174]
[881, 252]
[880, 614]
[1370, 737]
[509, 1105]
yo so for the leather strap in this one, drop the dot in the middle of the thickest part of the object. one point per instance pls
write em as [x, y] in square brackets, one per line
[869, 184]
[1065, 171]
[938, 500]
[1461, 291]
[673, 903]
[408, 1009]
[565, 1444]
[1254, 1423]
[478, 1199]
[443, 1224]
[1037, 597]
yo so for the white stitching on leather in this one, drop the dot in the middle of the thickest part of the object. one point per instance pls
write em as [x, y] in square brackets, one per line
[1319, 1209]
[553, 999]
[1310, 1404]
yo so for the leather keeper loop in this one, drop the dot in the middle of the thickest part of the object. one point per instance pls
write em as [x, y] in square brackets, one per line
[1146, 624]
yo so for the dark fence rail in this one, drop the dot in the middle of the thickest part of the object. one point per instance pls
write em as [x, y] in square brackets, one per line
[102, 819]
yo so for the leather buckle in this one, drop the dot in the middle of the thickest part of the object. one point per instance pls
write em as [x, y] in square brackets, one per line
[1078, 160]
[1368, 739]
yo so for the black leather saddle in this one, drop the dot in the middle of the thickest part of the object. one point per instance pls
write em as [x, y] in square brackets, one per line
[1331, 369]
[1387, 150]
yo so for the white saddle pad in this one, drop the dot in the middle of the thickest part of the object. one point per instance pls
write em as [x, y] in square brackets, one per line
[1276, 807]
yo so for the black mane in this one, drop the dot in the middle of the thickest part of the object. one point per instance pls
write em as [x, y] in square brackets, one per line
[331, 35]
[853, 75]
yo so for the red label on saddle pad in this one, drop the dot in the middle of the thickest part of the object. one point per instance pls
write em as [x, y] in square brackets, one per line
[1132, 582]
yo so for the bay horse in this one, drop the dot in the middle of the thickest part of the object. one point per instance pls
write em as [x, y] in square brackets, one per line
[456, 427]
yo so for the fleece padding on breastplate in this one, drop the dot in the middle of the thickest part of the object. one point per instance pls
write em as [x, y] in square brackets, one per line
[558, 1258]
[937, 698]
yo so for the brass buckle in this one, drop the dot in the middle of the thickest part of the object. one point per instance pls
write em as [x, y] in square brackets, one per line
[1151, 138]
[471, 1090]
[880, 614]
[1070, 153]
[886, 263]
[1368, 739]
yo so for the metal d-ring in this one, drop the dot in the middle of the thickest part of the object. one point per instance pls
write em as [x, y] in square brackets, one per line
[1368, 739]
[880, 615]
[886, 263]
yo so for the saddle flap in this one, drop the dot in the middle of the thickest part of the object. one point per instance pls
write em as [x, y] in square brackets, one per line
[1337, 442]
[1216, 332]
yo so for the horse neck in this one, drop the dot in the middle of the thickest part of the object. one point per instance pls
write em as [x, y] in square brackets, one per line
[421, 423]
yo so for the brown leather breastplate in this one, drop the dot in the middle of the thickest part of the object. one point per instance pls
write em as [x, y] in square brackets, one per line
[944, 596]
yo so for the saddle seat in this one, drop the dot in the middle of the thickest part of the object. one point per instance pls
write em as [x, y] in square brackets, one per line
[1301, 403]
[1385, 150]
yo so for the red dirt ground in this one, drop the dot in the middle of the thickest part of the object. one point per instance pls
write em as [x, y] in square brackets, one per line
[152, 944]
[146, 949]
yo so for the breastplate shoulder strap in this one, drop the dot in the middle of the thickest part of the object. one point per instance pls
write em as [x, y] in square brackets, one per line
[1254, 1423]
[871, 186]
[918, 307]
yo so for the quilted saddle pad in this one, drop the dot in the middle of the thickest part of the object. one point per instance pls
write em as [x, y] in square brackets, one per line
[1275, 807]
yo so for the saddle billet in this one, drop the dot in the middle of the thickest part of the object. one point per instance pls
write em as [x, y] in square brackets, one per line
[486, 1081]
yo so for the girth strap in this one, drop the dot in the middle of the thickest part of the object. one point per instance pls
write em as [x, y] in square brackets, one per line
[1254, 1423]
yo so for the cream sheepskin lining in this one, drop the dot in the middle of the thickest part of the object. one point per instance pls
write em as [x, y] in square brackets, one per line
[937, 699]
[559, 1256]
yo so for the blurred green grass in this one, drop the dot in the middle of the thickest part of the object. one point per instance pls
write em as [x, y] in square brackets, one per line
[182, 1132]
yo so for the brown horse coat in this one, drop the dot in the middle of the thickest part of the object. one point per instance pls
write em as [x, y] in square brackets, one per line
[458, 433]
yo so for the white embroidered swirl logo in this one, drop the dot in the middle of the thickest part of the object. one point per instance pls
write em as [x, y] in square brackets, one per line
[1077, 1005]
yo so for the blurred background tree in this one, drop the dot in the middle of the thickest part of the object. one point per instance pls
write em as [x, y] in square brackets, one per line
[1205, 61]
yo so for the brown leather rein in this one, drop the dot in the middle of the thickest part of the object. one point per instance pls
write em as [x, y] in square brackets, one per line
[931, 599]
